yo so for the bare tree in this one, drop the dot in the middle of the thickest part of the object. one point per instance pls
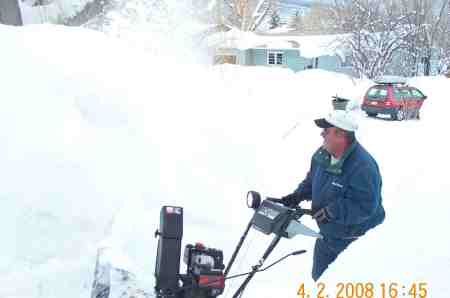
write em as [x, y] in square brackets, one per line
[10, 13]
[318, 20]
[427, 19]
[295, 21]
[445, 43]
[431, 32]
[247, 15]
[375, 33]
[274, 19]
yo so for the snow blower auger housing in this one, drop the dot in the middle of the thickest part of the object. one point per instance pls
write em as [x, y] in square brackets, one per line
[206, 274]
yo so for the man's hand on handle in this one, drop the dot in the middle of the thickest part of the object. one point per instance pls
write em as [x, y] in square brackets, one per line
[322, 216]
[291, 200]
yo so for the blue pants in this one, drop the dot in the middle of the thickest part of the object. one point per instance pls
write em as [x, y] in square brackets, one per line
[325, 252]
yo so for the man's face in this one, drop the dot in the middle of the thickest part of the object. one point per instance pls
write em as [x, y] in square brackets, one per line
[333, 140]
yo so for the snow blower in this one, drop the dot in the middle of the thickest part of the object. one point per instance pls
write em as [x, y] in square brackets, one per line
[206, 274]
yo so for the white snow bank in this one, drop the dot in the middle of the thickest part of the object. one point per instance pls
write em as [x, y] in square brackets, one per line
[94, 141]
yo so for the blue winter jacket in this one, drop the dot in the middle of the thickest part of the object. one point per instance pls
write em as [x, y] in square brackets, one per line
[350, 190]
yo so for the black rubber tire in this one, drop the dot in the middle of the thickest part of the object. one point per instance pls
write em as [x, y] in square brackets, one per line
[399, 115]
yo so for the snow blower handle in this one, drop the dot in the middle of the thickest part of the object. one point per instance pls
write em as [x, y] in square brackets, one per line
[298, 210]
[304, 211]
[276, 200]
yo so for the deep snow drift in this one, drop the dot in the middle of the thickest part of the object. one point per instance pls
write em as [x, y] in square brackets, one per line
[95, 139]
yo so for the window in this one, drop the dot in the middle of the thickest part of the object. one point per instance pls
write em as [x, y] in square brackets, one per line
[397, 94]
[275, 58]
[404, 93]
[377, 93]
[416, 93]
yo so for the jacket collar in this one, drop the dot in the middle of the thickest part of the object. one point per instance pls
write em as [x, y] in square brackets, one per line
[324, 159]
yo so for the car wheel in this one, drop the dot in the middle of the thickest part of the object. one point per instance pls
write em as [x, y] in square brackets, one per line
[418, 115]
[399, 115]
[372, 114]
[408, 114]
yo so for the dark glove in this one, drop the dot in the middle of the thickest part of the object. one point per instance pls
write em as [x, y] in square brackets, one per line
[322, 216]
[292, 199]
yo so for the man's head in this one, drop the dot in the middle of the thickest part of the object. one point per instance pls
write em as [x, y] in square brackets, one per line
[338, 131]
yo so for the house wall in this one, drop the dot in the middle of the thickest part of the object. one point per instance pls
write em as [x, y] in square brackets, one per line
[10, 13]
[293, 60]
[332, 63]
[259, 57]
[249, 57]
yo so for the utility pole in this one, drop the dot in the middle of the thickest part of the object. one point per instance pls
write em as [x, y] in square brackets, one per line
[10, 13]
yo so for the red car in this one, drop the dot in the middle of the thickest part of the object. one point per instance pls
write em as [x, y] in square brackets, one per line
[392, 96]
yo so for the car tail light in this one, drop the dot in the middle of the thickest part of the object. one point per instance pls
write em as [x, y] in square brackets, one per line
[213, 281]
[388, 103]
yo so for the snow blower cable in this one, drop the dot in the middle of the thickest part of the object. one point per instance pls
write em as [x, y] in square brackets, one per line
[294, 253]
[298, 252]
[244, 256]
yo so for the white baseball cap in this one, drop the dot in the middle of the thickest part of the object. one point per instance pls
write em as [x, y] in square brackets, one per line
[338, 118]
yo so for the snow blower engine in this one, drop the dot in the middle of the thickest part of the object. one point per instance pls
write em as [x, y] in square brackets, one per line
[206, 274]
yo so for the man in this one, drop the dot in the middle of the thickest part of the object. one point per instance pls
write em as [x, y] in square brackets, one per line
[344, 186]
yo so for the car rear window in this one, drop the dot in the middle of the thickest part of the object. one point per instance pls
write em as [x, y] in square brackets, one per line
[401, 93]
[417, 93]
[377, 93]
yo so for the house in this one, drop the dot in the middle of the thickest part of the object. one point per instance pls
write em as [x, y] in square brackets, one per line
[298, 52]
[295, 52]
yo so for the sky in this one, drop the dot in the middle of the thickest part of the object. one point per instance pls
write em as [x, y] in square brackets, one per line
[99, 131]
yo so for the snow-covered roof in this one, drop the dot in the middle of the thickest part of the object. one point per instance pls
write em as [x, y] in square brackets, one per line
[310, 46]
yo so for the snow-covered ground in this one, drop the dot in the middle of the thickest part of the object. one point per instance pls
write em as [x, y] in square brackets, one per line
[96, 135]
